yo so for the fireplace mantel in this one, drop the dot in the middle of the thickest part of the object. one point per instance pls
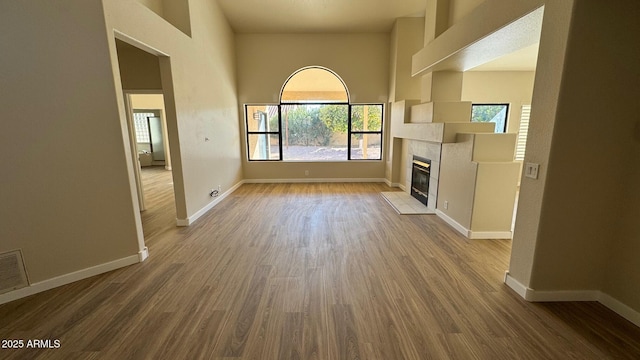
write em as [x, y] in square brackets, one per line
[438, 132]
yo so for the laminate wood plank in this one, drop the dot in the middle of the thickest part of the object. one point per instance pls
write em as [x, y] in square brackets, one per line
[243, 323]
[113, 329]
[291, 338]
[315, 310]
[345, 332]
[204, 341]
[264, 341]
[435, 305]
[311, 271]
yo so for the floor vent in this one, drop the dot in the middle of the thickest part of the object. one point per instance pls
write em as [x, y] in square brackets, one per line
[12, 273]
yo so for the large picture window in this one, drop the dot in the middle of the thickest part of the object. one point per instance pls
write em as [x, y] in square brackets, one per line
[314, 132]
[314, 121]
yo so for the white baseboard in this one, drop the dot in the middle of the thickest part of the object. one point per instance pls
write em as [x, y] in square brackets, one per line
[469, 234]
[454, 224]
[516, 286]
[548, 296]
[573, 295]
[490, 234]
[620, 308]
[183, 222]
[68, 278]
[191, 219]
[392, 184]
[314, 180]
[143, 254]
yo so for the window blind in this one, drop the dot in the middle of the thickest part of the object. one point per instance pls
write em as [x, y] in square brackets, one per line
[522, 132]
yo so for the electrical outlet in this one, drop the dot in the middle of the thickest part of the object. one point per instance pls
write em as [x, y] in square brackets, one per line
[446, 205]
[219, 188]
[531, 170]
[306, 173]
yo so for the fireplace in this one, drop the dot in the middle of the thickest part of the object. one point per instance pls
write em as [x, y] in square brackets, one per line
[420, 174]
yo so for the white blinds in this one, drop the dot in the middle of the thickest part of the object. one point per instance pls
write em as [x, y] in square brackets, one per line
[522, 133]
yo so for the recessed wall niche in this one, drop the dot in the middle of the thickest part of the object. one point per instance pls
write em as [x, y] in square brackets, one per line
[175, 12]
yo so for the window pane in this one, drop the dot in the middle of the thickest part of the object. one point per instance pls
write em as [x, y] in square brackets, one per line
[262, 118]
[264, 147]
[314, 132]
[314, 85]
[366, 118]
[141, 125]
[491, 113]
[366, 146]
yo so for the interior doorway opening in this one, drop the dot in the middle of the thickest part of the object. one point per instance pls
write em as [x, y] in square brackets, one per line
[154, 161]
[152, 134]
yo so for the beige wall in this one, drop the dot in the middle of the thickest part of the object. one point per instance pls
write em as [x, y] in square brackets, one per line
[64, 209]
[203, 124]
[591, 160]
[623, 271]
[147, 101]
[457, 183]
[544, 105]
[458, 9]
[176, 12]
[406, 39]
[139, 70]
[68, 213]
[478, 181]
[512, 87]
[266, 61]
[495, 196]
[153, 5]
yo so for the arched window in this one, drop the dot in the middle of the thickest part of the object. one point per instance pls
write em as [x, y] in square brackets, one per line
[314, 121]
[314, 84]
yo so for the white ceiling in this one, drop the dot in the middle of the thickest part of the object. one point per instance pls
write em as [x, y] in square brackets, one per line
[521, 60]
[315, 16]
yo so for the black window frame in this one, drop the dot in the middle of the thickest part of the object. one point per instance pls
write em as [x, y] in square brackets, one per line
[266, 133]
[506, 116]
[350, 132]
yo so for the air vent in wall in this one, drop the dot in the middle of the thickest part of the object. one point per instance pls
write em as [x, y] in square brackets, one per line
[12, 273]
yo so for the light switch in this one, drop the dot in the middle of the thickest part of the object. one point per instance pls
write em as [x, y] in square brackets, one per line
[531, 170]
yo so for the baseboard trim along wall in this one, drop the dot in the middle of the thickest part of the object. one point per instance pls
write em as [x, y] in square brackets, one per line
[573, 295]
[490, 234]
[392, 184]
[191, 219]
[469, 234]
[68, 278]
[143, 254]
[620, 308]
[454, 224]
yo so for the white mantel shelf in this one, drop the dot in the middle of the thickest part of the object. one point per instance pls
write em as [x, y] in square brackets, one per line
[440, 132]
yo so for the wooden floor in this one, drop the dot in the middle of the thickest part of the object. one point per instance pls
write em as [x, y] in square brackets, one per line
[310, 271]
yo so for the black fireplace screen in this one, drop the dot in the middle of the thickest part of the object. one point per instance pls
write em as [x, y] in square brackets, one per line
[420, 174]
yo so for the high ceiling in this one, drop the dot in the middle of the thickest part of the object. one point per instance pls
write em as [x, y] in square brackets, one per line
[314, 16]
[343, 16]
[521, 60]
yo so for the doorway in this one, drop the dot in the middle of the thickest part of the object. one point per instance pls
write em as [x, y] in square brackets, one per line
[150, 112]
[154, 162]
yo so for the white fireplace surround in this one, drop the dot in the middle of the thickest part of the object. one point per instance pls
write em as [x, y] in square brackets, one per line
[427, 150]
